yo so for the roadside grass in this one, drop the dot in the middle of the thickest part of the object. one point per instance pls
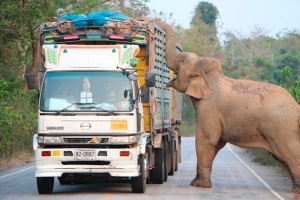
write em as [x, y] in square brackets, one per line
[16, 159]
[263, 157]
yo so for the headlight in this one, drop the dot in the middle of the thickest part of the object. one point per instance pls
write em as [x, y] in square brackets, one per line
[126, 139]
[46, 139]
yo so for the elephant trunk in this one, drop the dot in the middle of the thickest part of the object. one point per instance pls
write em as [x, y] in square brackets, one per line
[173, 56]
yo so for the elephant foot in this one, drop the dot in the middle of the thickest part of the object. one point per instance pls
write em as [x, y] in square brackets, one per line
[202, 178]
[200, 182]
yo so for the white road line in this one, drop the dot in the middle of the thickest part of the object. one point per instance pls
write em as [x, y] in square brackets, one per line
[16, 172]
[256, 175]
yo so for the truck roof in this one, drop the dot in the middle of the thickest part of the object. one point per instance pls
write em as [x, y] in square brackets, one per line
[66, 31]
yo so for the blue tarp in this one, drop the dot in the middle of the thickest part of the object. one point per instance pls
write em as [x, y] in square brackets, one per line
[94, 19]
[79, 19]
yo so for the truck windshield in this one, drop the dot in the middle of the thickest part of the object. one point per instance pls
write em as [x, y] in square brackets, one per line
[86, 91]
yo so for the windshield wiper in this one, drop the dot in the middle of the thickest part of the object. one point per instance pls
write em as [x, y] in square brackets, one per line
[101, 109]
[58, 112]
[91, 105]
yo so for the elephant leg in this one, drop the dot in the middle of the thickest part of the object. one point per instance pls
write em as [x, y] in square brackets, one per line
[206, 153]
[289, 157]
[296, 187]
[294, 171]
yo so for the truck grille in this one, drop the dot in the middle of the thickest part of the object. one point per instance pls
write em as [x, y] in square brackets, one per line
[84, 140]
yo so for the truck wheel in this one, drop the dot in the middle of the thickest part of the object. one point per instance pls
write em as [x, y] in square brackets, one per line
[45, 184]
[138, 184]
[157, 174]
[173, 157]
[166, 152]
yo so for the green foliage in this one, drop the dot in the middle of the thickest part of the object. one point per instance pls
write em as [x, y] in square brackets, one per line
[17, 120]
[187, 128]
[287, 82]
[189, 113]
[188, 125]
[286, 77]
[205, 12]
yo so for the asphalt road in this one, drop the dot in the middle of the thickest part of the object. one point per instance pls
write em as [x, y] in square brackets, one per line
[234, 176]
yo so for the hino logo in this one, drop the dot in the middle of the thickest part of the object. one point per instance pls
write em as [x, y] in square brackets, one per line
[85, 126]
[55, 128]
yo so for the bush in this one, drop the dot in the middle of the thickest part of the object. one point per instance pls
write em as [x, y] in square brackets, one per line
[18, 121]
[187, 128]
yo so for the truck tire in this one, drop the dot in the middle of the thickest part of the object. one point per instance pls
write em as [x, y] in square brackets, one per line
[157, 173]
[138, 184]
[45, 184]
[173, 157]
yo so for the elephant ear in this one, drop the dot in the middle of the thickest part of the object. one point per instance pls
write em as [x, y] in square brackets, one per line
[199, 86]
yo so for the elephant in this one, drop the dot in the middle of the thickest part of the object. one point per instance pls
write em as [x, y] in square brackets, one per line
[244, 113]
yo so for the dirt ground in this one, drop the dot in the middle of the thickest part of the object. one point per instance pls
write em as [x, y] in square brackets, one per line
[16, 161]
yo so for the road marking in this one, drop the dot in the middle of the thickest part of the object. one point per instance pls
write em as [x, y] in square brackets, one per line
[16, 172]
[256, 175]
[111, 193]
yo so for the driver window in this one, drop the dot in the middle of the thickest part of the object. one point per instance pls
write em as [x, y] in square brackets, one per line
[66, 90]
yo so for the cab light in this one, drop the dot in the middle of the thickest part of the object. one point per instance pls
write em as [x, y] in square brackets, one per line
[71, 37]
[56, 153]
[124, 153]
[118, 37]
[46, 153]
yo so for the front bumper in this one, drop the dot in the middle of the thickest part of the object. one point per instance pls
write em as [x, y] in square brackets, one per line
[61, 161]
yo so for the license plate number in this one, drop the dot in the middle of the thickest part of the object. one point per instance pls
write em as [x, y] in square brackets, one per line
[85, 154]
[119, 125]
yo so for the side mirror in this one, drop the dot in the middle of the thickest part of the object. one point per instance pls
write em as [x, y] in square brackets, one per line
[145, 95]
[150, 79]
[128, 93]
[30, 81]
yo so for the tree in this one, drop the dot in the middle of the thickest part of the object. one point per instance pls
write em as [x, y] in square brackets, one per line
[253, 52]
[288, 51]
[205, 12]
[202, 38]
[287, 82]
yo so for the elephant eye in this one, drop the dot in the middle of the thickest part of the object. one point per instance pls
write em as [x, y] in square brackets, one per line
[193, 75]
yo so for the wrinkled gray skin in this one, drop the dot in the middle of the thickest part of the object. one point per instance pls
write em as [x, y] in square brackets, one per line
[242, 112]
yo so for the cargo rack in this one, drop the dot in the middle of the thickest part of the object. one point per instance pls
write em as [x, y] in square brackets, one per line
[113, 30]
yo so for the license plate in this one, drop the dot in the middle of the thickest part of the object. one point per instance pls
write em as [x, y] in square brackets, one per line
[85, 154]
[118, 125]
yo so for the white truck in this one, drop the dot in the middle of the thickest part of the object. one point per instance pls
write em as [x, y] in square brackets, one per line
[104, 111]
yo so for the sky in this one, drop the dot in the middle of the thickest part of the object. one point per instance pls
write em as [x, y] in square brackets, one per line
[240, 16]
